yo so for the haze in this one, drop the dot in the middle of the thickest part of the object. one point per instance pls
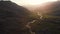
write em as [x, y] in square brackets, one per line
[31, 2]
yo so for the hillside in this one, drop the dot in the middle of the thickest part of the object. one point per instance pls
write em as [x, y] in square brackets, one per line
[50, 22]
[13, 18]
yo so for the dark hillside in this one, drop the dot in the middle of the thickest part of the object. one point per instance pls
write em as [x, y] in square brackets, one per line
[13, 18]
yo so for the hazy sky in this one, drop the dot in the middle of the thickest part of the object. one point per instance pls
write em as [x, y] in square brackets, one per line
[31, 2]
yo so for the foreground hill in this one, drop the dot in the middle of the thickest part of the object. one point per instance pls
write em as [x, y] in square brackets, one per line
[13, 18]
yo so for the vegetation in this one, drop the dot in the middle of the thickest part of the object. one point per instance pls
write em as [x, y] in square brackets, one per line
[50, 24]
[14, 18]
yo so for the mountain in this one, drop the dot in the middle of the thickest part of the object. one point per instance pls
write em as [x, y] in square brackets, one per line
[13, 18]
[50, 22]
[51, 8]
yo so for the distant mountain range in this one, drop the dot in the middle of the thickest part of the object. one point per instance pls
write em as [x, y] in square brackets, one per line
[50, 8]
